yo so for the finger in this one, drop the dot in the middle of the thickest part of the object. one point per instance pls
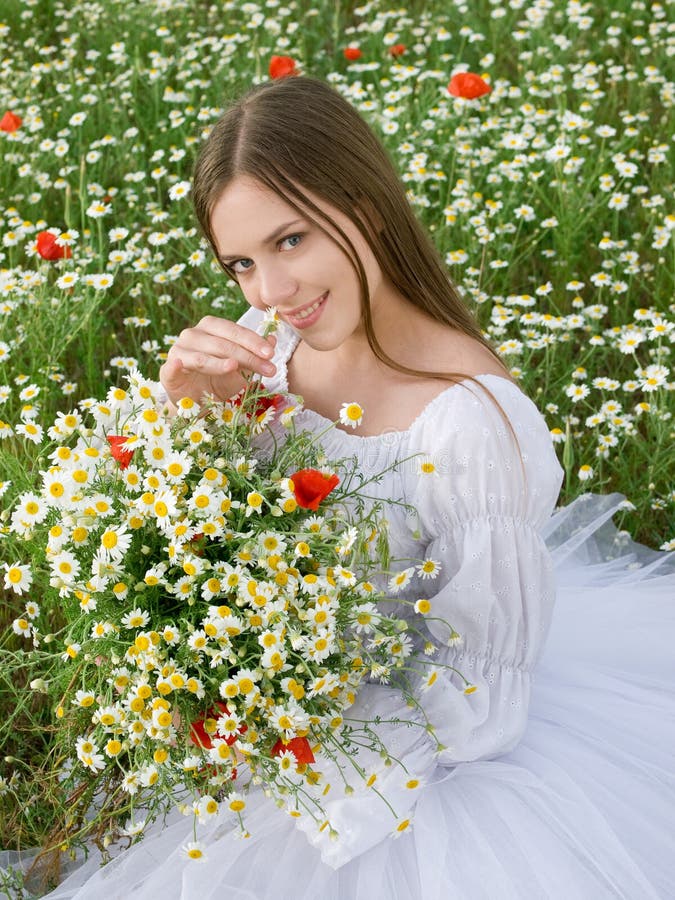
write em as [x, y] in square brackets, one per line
[171, 373]
[204, 363]
[194, 345]
[237, 334]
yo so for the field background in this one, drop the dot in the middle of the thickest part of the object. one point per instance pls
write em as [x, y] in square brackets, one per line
[548, 198]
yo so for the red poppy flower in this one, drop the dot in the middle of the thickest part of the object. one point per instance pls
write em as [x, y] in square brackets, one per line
[49, 249]
[201, 737]
[352, 53]
[397, 50]
[282, 66]
[118, 451]
[262, 403]
[468, 85]
[298, 746]
[311, 487]
[10, 121]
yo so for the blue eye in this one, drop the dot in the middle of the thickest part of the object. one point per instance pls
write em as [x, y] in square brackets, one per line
[293, 239]
[240, 262]
[243, 265]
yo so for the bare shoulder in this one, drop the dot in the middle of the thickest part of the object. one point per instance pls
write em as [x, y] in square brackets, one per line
[451, 350]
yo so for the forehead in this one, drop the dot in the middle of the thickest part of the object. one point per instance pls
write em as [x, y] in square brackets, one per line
[245, 212]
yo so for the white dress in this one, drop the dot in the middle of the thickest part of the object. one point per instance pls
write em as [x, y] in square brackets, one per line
[558, 777]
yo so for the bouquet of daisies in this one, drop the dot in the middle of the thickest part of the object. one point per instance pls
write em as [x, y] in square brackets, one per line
[201, 603]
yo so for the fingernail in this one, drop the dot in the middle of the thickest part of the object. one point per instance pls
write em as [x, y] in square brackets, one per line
[266, 351]
[268, 368]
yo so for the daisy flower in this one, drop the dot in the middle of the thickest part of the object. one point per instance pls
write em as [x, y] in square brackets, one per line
[366, 617]
[402, 826]
[136, 618]
[115, 542]
[423, 606]
[431, 678]
[130, 783]
[71, 651]
[351, 414]
[186, 407]
[254, 502]
[18, 577]
[177, 465]
[400, 580]
[84, 699]
[287, 415]
[236, 802]
[179, 190]
[429, 568]
[286, 762]
[65, 566]
[577, 392]
[131, 829]
[88, 754]
[206, 807]
[426, 467]
[31, 431]
[194, 850]
[32, 609]
[22, 627]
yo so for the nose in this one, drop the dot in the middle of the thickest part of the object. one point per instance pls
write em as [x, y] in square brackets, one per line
[276, 284]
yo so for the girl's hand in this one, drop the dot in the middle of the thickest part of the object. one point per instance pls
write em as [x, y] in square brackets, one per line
[211, 359]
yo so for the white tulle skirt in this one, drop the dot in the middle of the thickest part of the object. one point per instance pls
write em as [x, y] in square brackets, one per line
[582, 809]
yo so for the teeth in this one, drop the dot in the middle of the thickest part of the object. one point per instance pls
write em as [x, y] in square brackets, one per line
[308, 312]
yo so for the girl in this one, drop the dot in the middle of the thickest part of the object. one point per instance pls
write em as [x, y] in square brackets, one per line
[555, 778]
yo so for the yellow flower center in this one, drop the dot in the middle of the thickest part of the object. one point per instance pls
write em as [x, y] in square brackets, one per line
[109, 540]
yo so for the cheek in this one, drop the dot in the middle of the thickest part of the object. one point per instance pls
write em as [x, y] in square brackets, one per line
[251, 295]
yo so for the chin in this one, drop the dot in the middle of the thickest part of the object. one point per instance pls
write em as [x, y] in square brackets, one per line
[320, 343]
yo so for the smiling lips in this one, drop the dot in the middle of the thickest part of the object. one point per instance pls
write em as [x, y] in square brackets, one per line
[306, 312]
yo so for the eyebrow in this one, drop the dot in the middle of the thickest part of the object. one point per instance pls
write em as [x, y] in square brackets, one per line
[230, 257]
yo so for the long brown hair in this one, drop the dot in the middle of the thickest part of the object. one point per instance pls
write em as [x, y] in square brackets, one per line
[299, 132]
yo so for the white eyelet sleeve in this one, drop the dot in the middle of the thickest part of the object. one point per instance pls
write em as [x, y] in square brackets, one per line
[482, 511]
[479, 514]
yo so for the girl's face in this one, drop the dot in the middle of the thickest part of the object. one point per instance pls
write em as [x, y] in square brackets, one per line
[283, 259]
